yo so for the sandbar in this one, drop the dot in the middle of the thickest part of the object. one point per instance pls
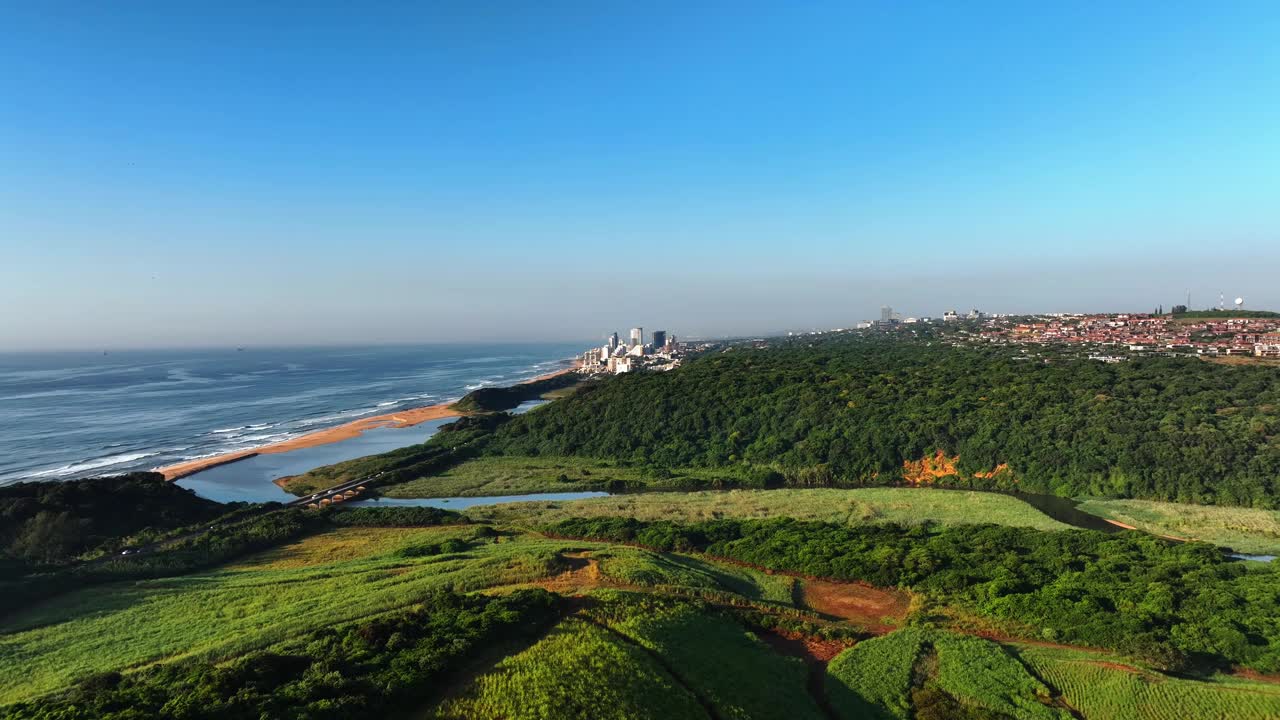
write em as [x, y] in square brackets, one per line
[346, 431]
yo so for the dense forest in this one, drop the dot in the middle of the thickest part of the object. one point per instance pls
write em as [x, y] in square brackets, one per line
[1178, 606]
[44, 523]
[852, 411]
[367, 669]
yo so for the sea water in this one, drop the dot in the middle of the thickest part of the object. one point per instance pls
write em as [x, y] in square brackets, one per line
[70, 415]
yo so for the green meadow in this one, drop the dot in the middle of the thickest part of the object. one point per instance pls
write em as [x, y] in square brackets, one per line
[326, 579]
[1246, 530]
[1101, 689]
[908, 506]
[513, 475]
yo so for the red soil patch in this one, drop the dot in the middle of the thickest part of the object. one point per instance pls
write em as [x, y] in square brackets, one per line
[862, 604]
[806, 648]
[582, 573]
[1248, 674]
[1117, 666]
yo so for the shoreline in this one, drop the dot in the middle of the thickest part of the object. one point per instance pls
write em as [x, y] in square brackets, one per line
[397, 420]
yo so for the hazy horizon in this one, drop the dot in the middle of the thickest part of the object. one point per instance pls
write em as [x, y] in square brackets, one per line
[239, 175]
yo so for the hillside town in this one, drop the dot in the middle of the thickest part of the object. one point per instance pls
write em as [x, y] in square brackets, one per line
[1142, 333]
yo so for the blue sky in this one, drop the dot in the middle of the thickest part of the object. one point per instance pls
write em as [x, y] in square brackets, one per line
[234, 174]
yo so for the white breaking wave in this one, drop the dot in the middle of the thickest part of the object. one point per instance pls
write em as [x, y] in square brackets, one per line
[339, 416]
[91, 464]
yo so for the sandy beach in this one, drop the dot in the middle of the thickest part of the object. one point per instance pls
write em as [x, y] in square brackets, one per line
[346, 431]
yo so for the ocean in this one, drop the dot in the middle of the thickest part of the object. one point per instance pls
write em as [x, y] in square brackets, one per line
[70, 415]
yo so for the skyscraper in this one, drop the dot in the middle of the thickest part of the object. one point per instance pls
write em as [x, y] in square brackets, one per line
[886, 313]
[659, 339]
[637, 336]
[613, 342]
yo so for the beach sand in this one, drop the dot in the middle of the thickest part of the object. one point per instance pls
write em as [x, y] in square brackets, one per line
[397, 419]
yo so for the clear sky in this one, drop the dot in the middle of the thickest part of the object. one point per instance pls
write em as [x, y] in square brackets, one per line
[251, 173]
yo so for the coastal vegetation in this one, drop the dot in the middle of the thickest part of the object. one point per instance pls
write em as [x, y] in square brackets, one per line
[326, 579]
[234, 534]
[860, 411]
[378, 608]
[1178, 606]
[784, 583]
[907, 506]
[52, 523]
[364, 669]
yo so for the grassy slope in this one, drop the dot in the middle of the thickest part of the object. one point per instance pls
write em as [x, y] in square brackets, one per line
[871, 681]
[506, 475]
[634, 566]
[1242, 529]
[901, 505]
[329, 578]
[873, 678]
[734, 671]
[1101, 690]
[578, 671]
[979, 672]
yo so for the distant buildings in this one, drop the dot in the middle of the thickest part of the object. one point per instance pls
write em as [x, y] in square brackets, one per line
[1268, 346]
[616, 357]
[886, 314]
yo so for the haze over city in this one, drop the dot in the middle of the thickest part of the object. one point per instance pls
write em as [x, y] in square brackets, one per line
[235, 174]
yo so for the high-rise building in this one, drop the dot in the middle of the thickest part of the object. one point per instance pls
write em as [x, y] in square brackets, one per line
[659, 339]
[886, 313]
[613, 342]
[637, 336]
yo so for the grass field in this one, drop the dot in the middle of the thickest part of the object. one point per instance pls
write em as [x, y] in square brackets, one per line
[640, 636]
[515, 475]
[578, 671]
[1245, 530]
[321, 580]
[873, 678]
[634, 566]
[732, 670]
[861, 505]
[980, 672]
[1102, 690]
